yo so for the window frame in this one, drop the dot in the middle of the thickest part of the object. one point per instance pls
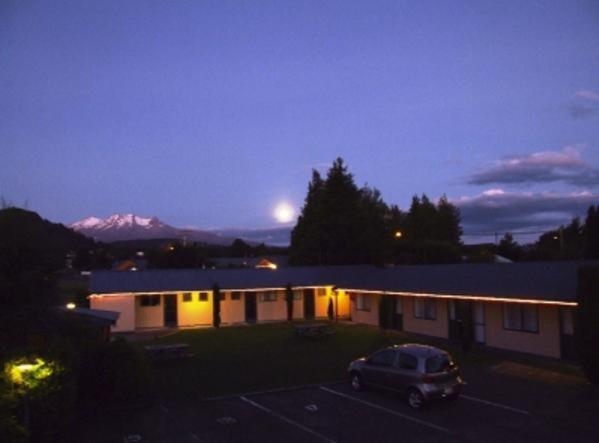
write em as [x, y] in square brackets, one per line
[149, 300]
[427, 304]
[520, 307]
[363, 305]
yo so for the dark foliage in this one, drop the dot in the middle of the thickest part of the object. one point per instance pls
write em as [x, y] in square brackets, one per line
[330, 310]
[588, 319]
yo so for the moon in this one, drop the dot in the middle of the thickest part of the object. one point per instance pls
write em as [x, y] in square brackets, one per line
[284, 212]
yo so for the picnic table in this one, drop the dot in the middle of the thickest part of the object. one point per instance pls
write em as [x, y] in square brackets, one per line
[312, 330]
[174, 350]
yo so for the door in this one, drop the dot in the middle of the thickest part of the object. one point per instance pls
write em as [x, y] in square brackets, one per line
[406, 372]
[460, 320]
[170, 309]
[398, 313]
[250, 307]
[566, 324]
[308, 304]
[478, 319]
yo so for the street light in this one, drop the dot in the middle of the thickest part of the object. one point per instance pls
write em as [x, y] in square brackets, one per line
[398, 234]
[26, 375]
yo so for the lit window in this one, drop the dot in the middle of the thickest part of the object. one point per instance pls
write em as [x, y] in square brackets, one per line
[203, 296]
[425, 308]
[520, 317]
[187, 296]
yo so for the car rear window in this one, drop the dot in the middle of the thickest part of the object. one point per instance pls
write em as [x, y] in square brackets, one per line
[438, 363]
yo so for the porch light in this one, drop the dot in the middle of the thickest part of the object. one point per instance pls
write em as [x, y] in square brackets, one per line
[71, 305]
[398, 234]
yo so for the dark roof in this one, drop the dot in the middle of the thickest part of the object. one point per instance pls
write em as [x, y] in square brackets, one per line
[554, 281]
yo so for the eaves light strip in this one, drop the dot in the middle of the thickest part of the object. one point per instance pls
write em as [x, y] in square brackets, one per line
[172, 291]
[465, 297]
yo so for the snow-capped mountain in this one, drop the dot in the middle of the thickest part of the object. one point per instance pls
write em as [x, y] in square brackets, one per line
[120, 227]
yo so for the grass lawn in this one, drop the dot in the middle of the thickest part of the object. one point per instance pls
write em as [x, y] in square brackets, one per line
[234, 360]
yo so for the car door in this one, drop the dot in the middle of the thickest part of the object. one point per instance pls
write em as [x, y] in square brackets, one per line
[405, 372]
[378, 368]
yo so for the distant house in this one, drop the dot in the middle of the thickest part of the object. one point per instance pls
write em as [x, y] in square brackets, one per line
[526, 307]
[260, 262]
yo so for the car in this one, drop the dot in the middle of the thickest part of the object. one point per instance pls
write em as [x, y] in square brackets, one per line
[420, 372]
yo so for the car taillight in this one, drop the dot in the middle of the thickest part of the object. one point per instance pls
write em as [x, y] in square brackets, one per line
[427, 379]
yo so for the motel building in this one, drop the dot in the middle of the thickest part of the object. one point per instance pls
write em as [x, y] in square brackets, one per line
[524, 307]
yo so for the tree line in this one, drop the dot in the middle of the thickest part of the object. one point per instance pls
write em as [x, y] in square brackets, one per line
[341, 224]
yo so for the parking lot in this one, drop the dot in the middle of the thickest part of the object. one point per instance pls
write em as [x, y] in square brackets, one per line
[497, 409]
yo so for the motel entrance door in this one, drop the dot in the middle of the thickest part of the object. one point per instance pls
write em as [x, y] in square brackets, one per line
[308, 304]
[397, 306]
[250, 307]
[566, 325]
[460, 320]
[170, 309]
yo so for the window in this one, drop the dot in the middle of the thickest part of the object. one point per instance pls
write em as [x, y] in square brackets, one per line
[384, 358]
[223, 296]
[186, 296]
[425, 308]
[268, 296]
[203, 296]
[437, 364]
[236, 295]
[407, 361]
[149, 300]
[297, 295]
[520, 317]
[363, 302]
[321, 292]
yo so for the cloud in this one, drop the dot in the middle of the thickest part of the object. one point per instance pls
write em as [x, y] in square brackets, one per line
[586, 94]
[578, 110]
[564, 166]
[496, 210]
[586, 104]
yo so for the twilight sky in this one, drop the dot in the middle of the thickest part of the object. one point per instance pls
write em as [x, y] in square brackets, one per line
[209, 113]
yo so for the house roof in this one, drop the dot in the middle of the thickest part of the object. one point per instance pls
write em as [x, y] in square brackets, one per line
[552, 281]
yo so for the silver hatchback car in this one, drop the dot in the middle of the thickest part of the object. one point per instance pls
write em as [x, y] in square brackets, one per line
[420, 372]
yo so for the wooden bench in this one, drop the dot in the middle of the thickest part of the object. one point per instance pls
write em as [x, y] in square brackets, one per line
[175, 350]
[314, 330]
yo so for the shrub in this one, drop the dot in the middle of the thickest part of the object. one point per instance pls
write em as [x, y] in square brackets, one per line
[216, 306]
[331, 310]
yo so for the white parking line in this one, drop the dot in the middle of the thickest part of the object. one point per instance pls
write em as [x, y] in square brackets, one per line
[390, 411]
[497, 405]
[178, 423]
[286, 420]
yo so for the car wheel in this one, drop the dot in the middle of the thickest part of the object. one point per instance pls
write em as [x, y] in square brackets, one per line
[356, 382]
[416, 399]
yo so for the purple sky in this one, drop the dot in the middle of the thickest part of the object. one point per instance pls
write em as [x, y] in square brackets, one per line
[209, 113]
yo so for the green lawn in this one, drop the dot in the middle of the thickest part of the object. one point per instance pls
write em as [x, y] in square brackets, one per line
[233, 360]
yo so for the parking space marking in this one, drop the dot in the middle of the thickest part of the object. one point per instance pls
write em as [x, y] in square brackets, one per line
[390, 411]
[178, 423]
[497, 405]
[286, 420]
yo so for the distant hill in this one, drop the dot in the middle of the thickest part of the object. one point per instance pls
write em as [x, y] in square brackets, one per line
[270, 236]
[37, 240]
[127, 227]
